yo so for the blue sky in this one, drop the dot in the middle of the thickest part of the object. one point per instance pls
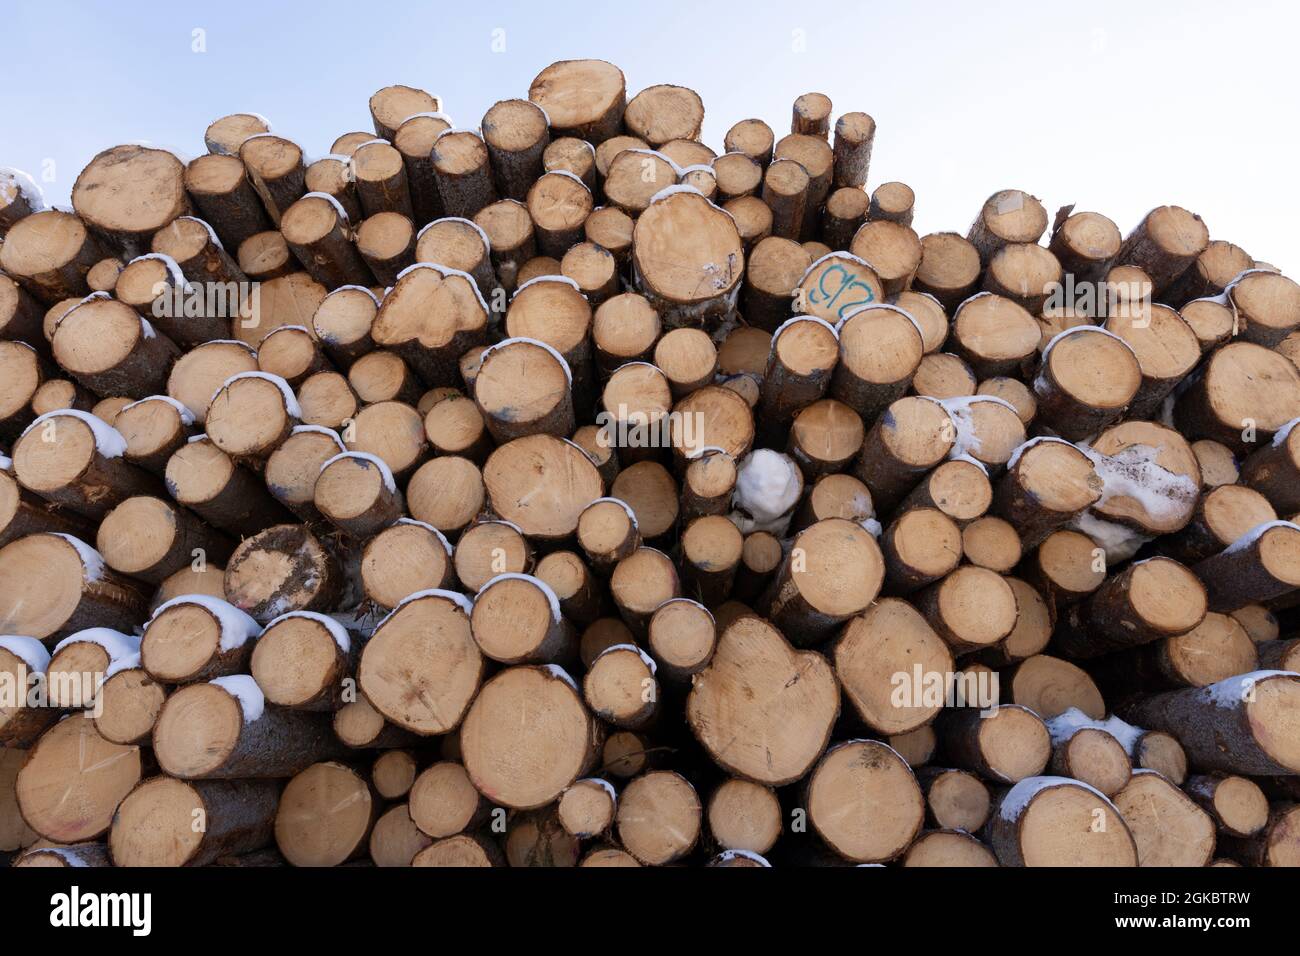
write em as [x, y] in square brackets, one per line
[1113, 106]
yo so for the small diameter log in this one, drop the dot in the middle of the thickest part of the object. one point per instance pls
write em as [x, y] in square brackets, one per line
[1245, 391]
[357, 494]
[640, 583]
[226, 134]
[292, 353]
[459, 245]
[1166, 350]
[912, 436]
[635, 177]
[462, 172]
[1275, 844]
[223, 730]
[1090, 755]
[854, 133]
[393, 773]
[1025, 273]
[487, 549]
[1274, 471]
[283, 568]
[1008, 216]
[864, 802]
[681, 636]
[196, 638]
[380, 176]
[880, 349]
[660, 114]
[1237, 805]
[106, 346]
[816, 157]
[1145, 602]
[129, 702]
[994, 334]
[53, 584]
[74, 780]
[744, 816]
[324, 816]
[23, 662]
[167, 822]
[943, 375]
[711, 554]
[1210, 275]
[516, 133]
[447, 493]
[892, 202]
[845, 212]
[382, 376]
[803, 357]
[892, 249]
[1085, 381]
[407, 557]
[688, 359]
[23, 513]
[608, 533]
[21, 316]
[971, 608]
[303, 660]
[517, 620]
[198, 373]
[320, 235]
[208, 482]
[888, 639]
[194, 246]
[49, 253]
[1164, 244]
[391, 106]
[509, 229]
[430, 317]
[587, 808]
[443, 801]
[1267, 307]
[251, 415]
[659, 817]
[824, 438]
[80, 661]
[523, 388]
[335, 177]
[265, 256]
[225, 197]
[1050, 686]
[1085, 244]
[1261, 565]
[1006, 744]
[1222, 516]
[581, 599]
[393, 432]
[528, 736]
[620, 687]
[24, 373]
[151, 539]
[737, 176]
[462, 850]
[1047, 485]
[955, 799]
[708, 484]
[558, 203]
[959, 488]
[1168, 828]
[276, 172]
[991, 543]
[786, 186]
[154, 428]
[72, 459]
[748, 713]
[359, 726]
[920, 546]
[949, 269]
[342, 323]
[386, 242]
[775, 267]
[1071, 825]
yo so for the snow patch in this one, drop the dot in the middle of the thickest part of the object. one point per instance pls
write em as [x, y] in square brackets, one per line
[115, 643]
[290, 401]
[336, 630]
[29, 650]
[236, 626]
[455, 597]
[1018, 797]
[768, 485]
[91, 559]
[384, 471]
[442, 538]
[245, 690]
[1233, 691]
[1120, 542]
[319, 430]
[1255, 533]
[555, 670]
[645, 658]
[541, 585]
[1133, 473]
[187, 417]
[338, 206]
[1067, 724]
[108, 440]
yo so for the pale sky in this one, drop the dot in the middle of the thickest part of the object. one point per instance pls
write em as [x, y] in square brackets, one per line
[1113, 106]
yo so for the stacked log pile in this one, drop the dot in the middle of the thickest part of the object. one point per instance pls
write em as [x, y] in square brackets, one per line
[563, 492]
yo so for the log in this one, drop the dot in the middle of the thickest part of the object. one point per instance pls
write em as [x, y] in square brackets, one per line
[275, 170]
[405, 558]
[659, 817]
[1048, 484]
[50, 253]
[912, 436]
[107, 347]
[151, 539]
[111, 199]
[447, 493]
[1164, 244]
[1237, 805]
[1073, 825]
[1168, 828]
[430, 317]
[220, 188]
[1259, 566]
[1085, 244]
[206, 480]
[154, 428]
[320, 236]
[880, 350]
[1266, 305]
[196, 375]
[166, 822]
[949, 268]
[324, 816]
[283, 568]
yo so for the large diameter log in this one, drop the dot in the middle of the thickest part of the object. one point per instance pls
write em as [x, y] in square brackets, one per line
[431, 317]
[1244, 725]
[127, 193]
[1245, 395]
[517, 619]
[224, 730]
[73, 781]
[1085, 381]
[524, 388]
[762, 709]
[833, 571]
[106, 346]
[687, 258]
[74, 460]
[50, 253]
[151, 539]
[1055, 821]
[1168, 828]
[324, 816]
[52, 584]
[528, 736]
[251, 415]
[283, 568]
[583, 98]
[195, 637]
[167, 822]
